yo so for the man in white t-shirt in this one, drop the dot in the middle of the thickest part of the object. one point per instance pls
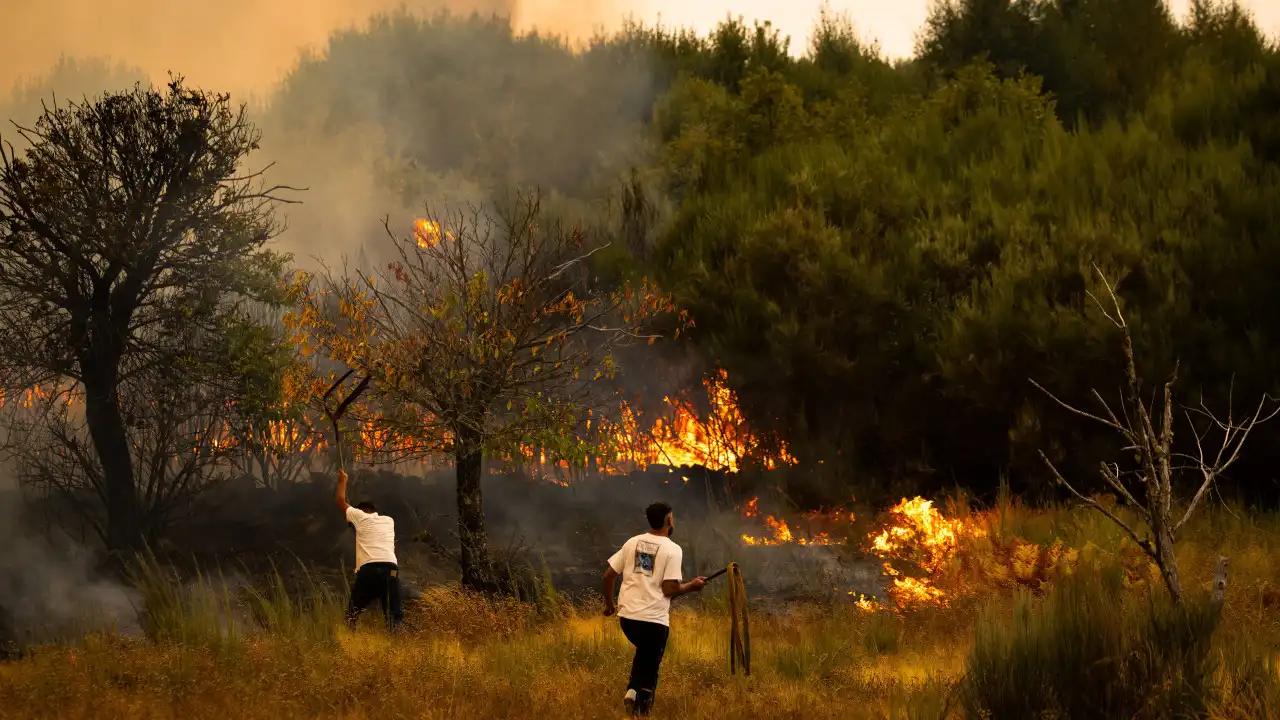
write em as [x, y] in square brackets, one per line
[377, 573]
[649, 565]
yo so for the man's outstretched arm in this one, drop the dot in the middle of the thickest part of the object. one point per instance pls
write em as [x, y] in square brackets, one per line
[675, 588]
[340, 496]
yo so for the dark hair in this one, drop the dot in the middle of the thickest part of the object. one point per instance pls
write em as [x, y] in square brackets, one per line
[366, 506]
[657, 514]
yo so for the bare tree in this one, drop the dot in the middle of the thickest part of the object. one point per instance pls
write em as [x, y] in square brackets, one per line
[1149, 487]
[128, 238]
[485, 337]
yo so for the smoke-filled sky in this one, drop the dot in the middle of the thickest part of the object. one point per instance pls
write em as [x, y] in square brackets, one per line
[243, 45]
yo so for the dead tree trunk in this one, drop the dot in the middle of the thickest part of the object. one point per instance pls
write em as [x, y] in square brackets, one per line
[1151, 437]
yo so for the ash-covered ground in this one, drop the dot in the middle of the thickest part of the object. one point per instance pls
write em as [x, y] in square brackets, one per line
[244, 533]
[564, 532]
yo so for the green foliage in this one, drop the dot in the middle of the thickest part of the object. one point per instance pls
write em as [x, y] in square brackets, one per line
[1100, 58]
[927, 255]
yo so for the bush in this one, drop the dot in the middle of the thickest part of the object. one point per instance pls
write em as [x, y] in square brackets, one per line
[1084, 653]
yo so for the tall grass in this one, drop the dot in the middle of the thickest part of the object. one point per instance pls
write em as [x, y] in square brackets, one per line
[306, 615]
[1093, 643]
[209, 611]
[1088, 650]
[199, 612]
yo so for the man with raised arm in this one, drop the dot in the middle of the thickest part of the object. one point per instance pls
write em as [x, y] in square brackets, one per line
[649, 565]
[377, 573]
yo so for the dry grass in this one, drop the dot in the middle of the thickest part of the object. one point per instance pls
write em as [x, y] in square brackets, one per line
[467, 658]
[476, 661]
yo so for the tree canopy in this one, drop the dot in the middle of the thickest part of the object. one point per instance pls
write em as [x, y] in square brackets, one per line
[131, 239]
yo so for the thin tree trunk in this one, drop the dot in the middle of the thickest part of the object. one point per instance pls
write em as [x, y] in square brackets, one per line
[1167, 561]
[472, 539]
[106, 429]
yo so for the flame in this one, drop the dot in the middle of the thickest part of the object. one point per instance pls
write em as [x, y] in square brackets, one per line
[781, 533]
[680, 435]
[916, 533]
[930, 540]
[428, 233]
[719, 441]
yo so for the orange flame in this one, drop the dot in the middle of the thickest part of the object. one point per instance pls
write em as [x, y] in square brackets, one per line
[428, 232]
[781, 533]
[917, 533]
[920, 531]
[720, 441]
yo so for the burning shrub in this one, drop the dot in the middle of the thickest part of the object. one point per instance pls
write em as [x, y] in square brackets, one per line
[919, 537]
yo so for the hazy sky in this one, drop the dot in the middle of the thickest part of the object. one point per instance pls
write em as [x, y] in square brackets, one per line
[246, 44]
[893, 22]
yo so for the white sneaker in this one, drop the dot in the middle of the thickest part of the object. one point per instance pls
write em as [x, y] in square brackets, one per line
[629, 701]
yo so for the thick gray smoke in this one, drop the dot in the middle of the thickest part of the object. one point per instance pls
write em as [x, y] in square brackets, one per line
[49, 588]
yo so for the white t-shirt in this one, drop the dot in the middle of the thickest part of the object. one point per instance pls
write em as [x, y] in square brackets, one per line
[375, 536]
[644, 562]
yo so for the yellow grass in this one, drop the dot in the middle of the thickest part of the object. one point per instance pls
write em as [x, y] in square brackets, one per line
[571, 667]
[467, 658]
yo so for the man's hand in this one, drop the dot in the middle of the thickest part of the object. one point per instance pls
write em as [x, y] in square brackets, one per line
[342, 475]
[609, 609]
[696, 584]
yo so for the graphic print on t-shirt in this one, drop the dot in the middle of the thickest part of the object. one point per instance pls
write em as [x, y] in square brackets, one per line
[646, 554]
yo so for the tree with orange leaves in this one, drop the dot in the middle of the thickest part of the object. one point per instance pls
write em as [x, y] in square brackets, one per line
[485, 336]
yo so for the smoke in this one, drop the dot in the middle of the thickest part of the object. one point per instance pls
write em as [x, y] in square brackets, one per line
[49, 588]
[236, 45]
[377, 108]
[375, 117]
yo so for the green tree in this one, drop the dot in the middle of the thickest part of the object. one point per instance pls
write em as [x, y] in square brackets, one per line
[131, 239]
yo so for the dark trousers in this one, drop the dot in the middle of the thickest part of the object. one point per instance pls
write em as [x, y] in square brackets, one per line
[650, 640]
[376, 581]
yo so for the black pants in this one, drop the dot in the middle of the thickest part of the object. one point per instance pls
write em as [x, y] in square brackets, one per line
[376, 581]
[650, 640]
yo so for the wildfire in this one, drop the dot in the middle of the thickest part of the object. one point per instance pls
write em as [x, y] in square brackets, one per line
[781, 533]
[916, 533]
[680, 435]
[922, 535]
[720, 441]
[427, 232]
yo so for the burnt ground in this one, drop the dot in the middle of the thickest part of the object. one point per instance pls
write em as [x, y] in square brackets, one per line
[546, 530]
[566, 533]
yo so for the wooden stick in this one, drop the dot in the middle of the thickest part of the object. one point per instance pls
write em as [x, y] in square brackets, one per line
[336, 415]
[717, 574]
